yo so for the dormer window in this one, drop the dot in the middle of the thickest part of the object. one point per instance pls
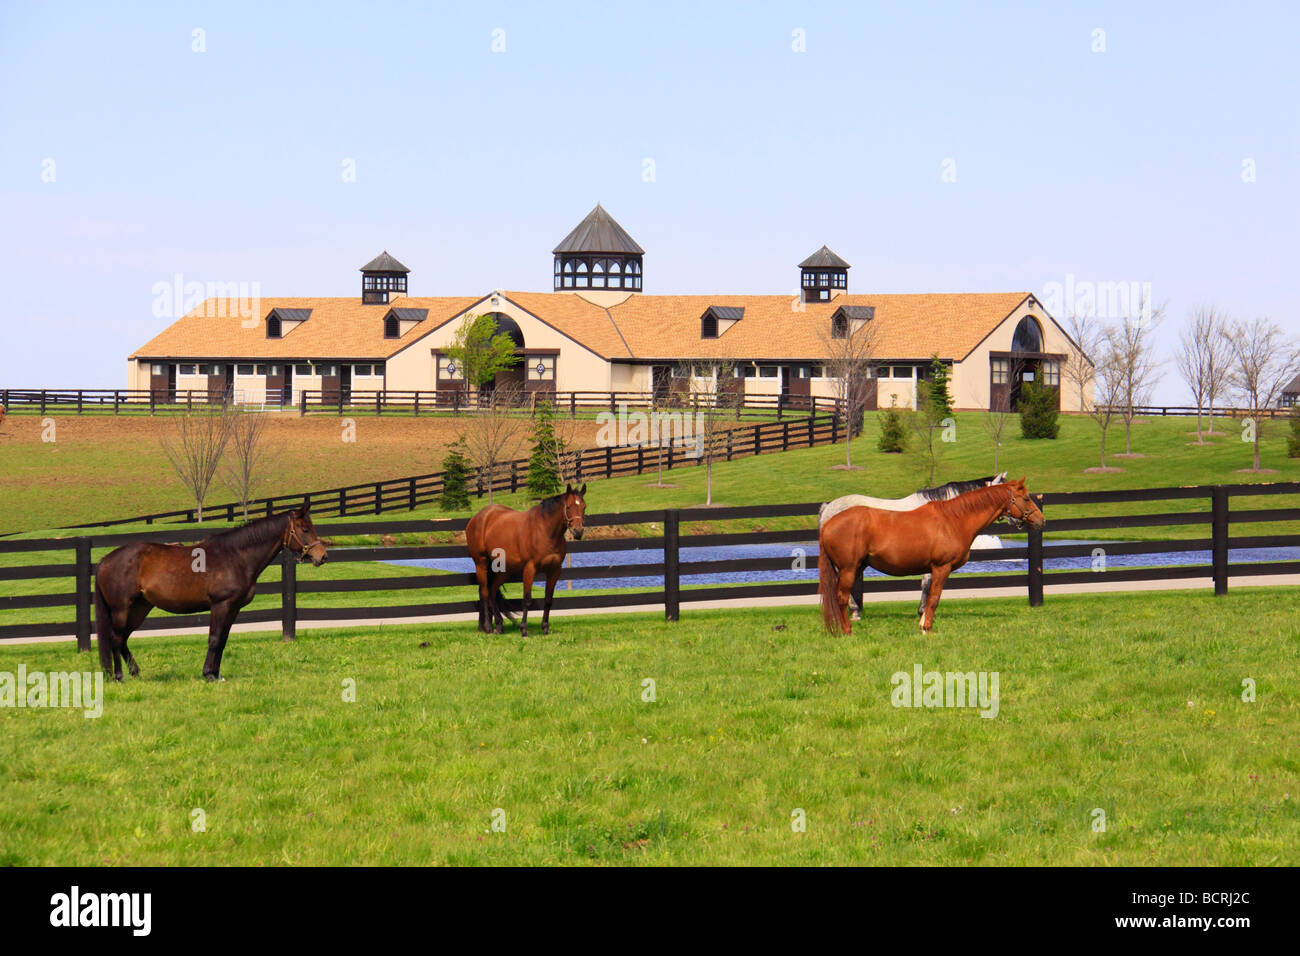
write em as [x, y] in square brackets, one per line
[839, 327]
[392, 328]
[718, 318]
[273, 326]
[280, 322]
[399, 321]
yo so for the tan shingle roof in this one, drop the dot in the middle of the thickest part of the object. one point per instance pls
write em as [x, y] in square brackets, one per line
[338, 328]
[668, 326]
[642, 327]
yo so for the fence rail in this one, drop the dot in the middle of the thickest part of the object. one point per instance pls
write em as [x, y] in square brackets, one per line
[410, 492]
[1191, 410]
[340, 400]
[665, 546]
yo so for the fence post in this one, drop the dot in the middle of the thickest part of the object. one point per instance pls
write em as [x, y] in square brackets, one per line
[1036, 562]
[411, 495]
[343, 502]
[514, 477]
[1219, 538]
[609, 461]
[302, 403]
[785, 436]
[672, 581]
[83, 594]
[42, 402]
[378, 498]
[288, 597]
[116, 396]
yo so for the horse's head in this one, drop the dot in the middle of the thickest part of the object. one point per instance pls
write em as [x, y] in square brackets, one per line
[1021, 510]
[300, 537]
[575, 507]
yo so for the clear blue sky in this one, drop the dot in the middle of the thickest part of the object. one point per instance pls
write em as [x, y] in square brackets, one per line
[226, 165]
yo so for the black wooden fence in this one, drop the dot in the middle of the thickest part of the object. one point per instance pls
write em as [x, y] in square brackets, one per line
[665, 545]
[408, 493]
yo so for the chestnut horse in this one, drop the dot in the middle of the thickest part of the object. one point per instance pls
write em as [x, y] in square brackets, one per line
[515, 545]
[218, 574]
[935, 538]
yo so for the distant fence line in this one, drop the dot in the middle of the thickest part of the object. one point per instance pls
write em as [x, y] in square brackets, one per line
[391, 401]
[408, 493]
[671, 595]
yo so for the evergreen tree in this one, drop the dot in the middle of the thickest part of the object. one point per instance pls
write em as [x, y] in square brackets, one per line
[1293, 440]
[455, 478]
[1038, 411]
[543, 463]
[893, 430]
[936, 392]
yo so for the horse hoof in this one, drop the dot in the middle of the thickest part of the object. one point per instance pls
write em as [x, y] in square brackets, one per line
[546, 629]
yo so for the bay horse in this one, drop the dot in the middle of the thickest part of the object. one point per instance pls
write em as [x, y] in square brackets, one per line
[516, 545]
[218, 574]
[907, 503]
[934, 538]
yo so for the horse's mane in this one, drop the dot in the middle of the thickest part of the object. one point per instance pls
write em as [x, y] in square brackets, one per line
[977, 499]
[257, 532]
[954, 488]
[547, 505]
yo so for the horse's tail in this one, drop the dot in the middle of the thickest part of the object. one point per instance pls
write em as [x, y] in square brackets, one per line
[103, 629]
[828, 588]
[502, 606]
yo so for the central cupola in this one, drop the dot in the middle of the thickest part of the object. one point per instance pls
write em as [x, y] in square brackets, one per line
[381, 277]
[598, 254]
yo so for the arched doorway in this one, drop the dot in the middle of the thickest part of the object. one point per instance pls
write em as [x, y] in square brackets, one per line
[515, 377]
[1026, 362]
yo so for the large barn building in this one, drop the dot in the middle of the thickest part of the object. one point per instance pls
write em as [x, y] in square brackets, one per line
[598, 330]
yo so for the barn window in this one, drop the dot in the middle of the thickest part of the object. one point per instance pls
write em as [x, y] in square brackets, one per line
[1000, 371]
[273, 327]
[244, 369]
[1028, 337]
[392, 328]
[839, 327]
[187, 370]
[709, 327]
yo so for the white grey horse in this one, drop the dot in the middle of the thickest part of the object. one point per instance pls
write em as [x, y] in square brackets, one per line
[915, 500]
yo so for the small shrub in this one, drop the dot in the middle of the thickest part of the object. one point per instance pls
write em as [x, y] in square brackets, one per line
[455, 478]
[893, 431]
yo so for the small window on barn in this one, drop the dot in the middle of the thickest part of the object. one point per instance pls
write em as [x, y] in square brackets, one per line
[839, 327]
[273, 327]
[244, 369]
[302, 370]
[709, 327]
[392, 328]
[187, 369]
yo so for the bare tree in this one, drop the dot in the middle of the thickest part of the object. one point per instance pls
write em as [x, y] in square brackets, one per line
[241, 469]
[1133, 347]
[495, 433]
[1264, 360]
[995, 423]
[849, 345]
[1200, 360]
[1077, 369]
[1107, 389]
[194, 444]
[713, 392]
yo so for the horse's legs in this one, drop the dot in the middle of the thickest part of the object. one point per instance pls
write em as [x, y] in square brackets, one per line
[925, 594]
[484, 609]
[529, 570]
[135, 615]
[494, 592]
[938, 576]
[843, 596]
[219, 621]
[857, 591]
[551, 580]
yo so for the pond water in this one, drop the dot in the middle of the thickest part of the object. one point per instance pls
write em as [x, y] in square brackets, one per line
[602, 559]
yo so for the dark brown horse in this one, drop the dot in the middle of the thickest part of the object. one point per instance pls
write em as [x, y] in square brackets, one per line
[509, 545]
[218, 574]
[933, 539]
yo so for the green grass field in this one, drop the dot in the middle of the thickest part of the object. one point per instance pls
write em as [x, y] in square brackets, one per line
[1131, 704]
